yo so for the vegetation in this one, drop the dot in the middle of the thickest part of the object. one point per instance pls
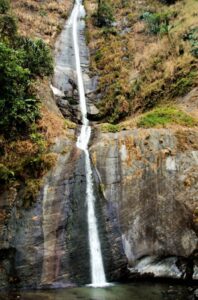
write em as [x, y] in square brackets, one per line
[16, 111]
[110, 128]
[105, 14]
[20, 60]
[137, 70]
[24, 148]
[164, 115]
[24, 162]
[37, 56]
[41, 18]
[158, 23]
[192, 37]
[8, 27]
[4, 6]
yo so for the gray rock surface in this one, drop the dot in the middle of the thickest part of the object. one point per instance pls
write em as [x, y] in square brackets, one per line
[146, 195]
[150, 177]
[64, 81]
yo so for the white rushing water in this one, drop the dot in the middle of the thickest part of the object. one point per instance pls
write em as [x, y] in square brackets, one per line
[96, 261]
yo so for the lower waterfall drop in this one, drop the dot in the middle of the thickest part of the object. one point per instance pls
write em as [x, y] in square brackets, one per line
[96, 261]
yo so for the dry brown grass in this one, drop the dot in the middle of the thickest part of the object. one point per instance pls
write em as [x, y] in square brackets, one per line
[140, 64]
[51, 125]
[25, 160]
[41, 19]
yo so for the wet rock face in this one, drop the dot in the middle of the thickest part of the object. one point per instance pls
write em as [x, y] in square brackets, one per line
[150, 178]
[64, 83]
[46, 245]
[146, 198]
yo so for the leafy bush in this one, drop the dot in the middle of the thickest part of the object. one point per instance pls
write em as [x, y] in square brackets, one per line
[4, 6]
[105, 14]
[20, 115]
[5, 174]
[183, 83]
[14, 79]
[38, 165]
[38, 139]
[37, 56]
[192, 37]
[158, 23]
[15, 110]
[166, 115]
[8, 27]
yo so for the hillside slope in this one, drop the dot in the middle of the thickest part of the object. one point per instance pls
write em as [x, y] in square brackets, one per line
[28, 129]
[145, 53]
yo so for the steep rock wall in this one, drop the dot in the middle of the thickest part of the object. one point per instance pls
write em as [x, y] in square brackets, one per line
[150, 178]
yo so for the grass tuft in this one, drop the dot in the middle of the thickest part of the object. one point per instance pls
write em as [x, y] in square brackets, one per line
[161, 116]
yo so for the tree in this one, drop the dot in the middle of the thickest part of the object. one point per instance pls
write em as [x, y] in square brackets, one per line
[17, 111]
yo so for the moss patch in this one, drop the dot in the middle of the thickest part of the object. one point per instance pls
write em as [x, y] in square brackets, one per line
[164, 115]
[110, 128]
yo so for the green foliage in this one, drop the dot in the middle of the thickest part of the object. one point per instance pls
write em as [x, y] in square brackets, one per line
[22, 147]
[37, 56]
[38, 138]
[183, 83]
[6, 175]
[16, 112]
[98, 55]
[192, 37]
[163, 89]
[158, 23]
[4, 6]
[38, 165]
[14, 79]
[105, 15]
[8, 27]
[164, 115]
[18, 115]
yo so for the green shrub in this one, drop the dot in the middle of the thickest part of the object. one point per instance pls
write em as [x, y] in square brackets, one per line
[6, 175]
[158, 23]
[38, 165]
[4, 6]
[14, 79]
[17, 115]
[192, 37]
[38, 138]
[98, 55]
[105, 14]
[37, 56]
[183, 83]
[8, 27]
[16, 112]
[166, 115]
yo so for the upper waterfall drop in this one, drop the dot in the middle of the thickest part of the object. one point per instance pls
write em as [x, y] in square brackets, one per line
[96, 261]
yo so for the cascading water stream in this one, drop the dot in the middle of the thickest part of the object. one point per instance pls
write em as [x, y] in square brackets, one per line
[96, 261]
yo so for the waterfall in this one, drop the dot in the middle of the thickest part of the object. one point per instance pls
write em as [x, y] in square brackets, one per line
[96, 261]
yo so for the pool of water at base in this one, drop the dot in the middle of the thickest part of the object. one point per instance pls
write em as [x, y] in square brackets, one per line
[132, 291]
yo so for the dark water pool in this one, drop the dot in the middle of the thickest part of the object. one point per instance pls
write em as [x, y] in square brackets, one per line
[133, 291]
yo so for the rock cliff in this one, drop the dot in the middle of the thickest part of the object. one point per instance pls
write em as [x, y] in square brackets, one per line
[146, 190]
[149, 177]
